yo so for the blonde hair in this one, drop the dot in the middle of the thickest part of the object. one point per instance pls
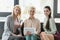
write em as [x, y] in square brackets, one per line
[16, 6]
[18, 14]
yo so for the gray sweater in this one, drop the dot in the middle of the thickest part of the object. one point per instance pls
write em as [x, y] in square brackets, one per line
[8, 27]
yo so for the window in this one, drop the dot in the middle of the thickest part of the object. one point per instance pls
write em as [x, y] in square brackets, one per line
[6, 5]
[38, 4]
[58, 4]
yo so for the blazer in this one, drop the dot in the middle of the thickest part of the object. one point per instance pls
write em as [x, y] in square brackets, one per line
[52, 26]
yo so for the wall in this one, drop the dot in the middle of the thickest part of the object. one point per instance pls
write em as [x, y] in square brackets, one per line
[39, 12]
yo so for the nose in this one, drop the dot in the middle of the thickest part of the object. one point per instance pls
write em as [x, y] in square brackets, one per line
[16, 10]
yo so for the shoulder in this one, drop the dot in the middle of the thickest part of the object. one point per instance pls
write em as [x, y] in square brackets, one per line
[8, 17]
[51, 19]
[26, 20]
[37, 20]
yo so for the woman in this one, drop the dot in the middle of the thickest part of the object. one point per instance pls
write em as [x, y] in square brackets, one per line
[49, 25]
[32, 22]
[12, 25]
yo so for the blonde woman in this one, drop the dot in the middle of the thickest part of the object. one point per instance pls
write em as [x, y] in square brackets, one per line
[49, 25]
[32, 22]
[12, 25]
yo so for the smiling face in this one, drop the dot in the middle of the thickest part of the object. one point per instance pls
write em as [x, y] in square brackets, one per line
[47, 11]
[32, 11]
[16, 10]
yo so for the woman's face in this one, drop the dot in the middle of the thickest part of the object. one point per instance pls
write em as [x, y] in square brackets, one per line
[46, 11]
[17, 10]
[32, 11]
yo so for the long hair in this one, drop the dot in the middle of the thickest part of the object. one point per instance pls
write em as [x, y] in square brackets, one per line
[18, 14]
[49, 16]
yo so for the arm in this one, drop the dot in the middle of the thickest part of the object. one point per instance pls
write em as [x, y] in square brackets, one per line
[26, 32]
[25, 26]
[38, 28]
[6, 32]
[53, 26]
[45, 30]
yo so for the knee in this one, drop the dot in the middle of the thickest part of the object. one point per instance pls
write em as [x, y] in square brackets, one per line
[27, 36]
[42, 33]
[50, 35]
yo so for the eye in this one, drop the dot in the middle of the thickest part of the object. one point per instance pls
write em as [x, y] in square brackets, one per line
[46, 10]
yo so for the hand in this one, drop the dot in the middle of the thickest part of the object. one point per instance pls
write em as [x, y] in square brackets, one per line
[20, 26]
[28, 33]
[19, 35]
[13, 34]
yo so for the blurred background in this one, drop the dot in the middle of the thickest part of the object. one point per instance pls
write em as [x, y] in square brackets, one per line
[6, 8]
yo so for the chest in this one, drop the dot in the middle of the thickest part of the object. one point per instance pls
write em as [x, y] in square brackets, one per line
[31, 23]
[13, 24]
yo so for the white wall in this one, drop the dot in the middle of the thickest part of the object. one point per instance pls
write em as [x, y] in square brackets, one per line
[25, 4]
[6, 5]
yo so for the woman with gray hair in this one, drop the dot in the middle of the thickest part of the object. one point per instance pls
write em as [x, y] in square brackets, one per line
[32, 22]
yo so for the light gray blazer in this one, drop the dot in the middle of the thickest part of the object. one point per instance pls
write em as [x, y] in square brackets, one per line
[52, 26]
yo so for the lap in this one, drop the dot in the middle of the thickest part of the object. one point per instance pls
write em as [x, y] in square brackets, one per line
[15, 38]
[43, 33]
[48, 35]
[32, 36]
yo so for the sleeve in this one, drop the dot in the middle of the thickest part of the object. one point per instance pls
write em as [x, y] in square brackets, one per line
[53, 26]
[44, 27]
[45, 30]
[38, 28]
[25, 23]
[6, 32]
